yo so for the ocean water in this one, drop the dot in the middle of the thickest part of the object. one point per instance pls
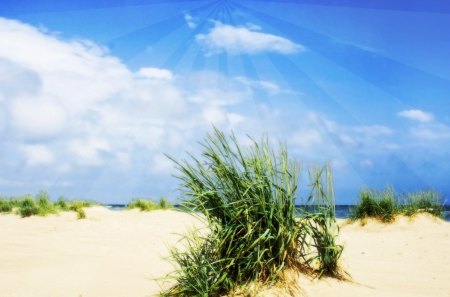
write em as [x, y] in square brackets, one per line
[342, 211]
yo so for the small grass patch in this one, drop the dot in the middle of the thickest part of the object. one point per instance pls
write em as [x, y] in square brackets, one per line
[386, 205]
[381, 205]
[28, 207]
[6, 206]
[42, 205]
[149, 204]
[423, 202]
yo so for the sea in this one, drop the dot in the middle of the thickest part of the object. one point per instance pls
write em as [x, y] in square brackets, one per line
[342, 211]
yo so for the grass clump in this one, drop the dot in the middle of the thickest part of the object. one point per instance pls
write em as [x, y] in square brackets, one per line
[386, 205]
[28, 207]
[322, 228]
[142, 204]
[62, 204]
[78, 207]
[163, 203]
[248, 199]
[424, 201]
[376, 204]
[42, 205]
[148, 204]
[6, 206]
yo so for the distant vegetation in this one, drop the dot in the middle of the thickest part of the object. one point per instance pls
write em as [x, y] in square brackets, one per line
[248, 199]
[149, 204]
[42, 205]
[386, 205]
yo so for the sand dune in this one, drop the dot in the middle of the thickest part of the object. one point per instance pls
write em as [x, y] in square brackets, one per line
[120, 253]
[406, 258]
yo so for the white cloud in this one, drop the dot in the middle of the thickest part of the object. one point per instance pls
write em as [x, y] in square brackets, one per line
[435, 132]
[215, 89]
[90, 152]
[155, 73]
[72, 97]
[267, 86]
[161, 164]
[416, 115]
[190, 21]
[38, 117]
[307, 138]
[244, 39]
[38, 155]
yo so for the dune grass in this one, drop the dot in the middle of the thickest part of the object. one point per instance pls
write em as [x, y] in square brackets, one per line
[42, 205]
[6, 205]
[386, 205]
[149, 204]
[322, 226]
[423, 201]
[376, 204]
[248, 199]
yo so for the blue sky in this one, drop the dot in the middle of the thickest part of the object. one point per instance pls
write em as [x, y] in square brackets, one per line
[92, 95]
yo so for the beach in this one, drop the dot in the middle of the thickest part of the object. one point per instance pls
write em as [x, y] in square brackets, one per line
[121, 253]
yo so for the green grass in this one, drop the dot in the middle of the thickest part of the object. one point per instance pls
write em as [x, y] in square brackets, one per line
[28, 207]
[386, 205]
[423, 202]
[6, 206]
[62, 204]
[42, 205]
[149, 204]
[322, 226]
[381, 205]
[248, 199]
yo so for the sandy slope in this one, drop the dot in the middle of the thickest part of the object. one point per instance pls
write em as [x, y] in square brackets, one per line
[406, 258]
[119, 253]
[109, 254]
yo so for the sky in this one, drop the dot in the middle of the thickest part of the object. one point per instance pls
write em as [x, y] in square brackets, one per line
[94, 94]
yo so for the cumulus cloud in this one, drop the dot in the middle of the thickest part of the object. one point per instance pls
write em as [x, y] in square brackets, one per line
[155, 73]
[267, 86]
[416, 115]
[321, 138]
[244, 39]
[38, 117]
[72, 105]
[434, 132]
[190, 22]
[38, 155]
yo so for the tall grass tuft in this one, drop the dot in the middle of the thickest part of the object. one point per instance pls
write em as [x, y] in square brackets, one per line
[62, 204]
[163, 203]
[385, 205]
[322, 227]
[6, 205]
[44, 204]
[148, 204]
[28, 207]
[248, 199]
[423, 201]
[142, 204]
[382, 205]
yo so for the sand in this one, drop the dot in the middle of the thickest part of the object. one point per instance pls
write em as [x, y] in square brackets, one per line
[114, 253]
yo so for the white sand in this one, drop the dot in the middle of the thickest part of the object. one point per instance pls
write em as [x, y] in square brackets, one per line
[119, 253]
[110, 253]
[406, 258]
